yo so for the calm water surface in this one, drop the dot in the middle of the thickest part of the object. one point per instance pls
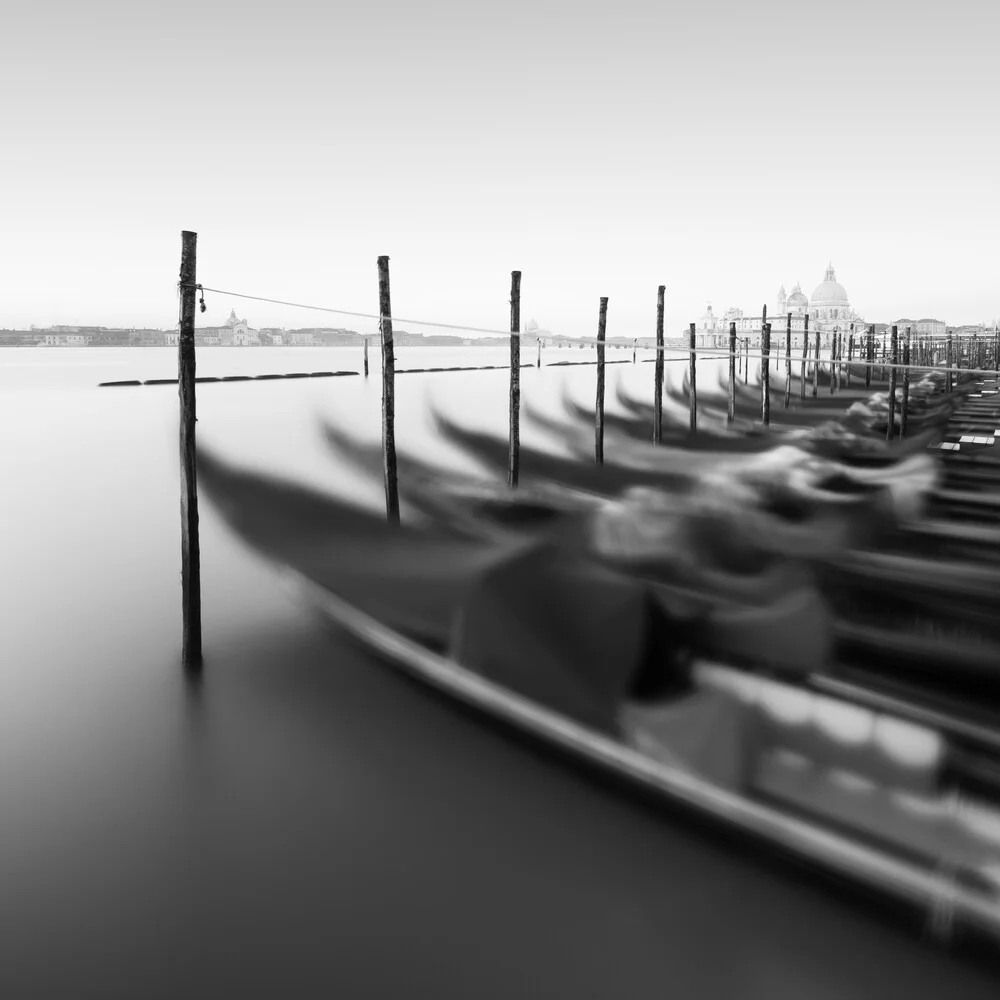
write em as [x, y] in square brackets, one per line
[307, 823]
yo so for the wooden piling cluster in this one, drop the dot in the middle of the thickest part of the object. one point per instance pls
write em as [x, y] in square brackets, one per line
[978, 352]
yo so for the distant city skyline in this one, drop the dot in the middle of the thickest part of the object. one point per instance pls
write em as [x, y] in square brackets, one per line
[715, 149]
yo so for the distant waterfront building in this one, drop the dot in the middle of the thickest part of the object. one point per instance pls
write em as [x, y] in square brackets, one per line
[235, 332]
[828, 309]
[931, 328]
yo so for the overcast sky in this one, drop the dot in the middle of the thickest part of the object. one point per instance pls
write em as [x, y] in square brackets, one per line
[718, 148]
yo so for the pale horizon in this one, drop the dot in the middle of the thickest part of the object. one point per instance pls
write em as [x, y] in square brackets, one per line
[721, 150]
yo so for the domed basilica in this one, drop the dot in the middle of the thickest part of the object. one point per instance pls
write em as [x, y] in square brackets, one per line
[828, 308]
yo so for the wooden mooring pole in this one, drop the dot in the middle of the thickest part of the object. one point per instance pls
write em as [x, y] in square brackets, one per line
[602, 325]
[658, 369]
[765, 374]
[693, 378]
[890, 431]
[850, 354]
[815, 379]
[388, 394]
[805, 358]
[191, 655]
[514, 450]
[366, 357]
[869, 355]
[635, 341]
[731, 413]
[538, 359]
[763, 323]
[949, 359]
[904, 412]
[746, 360]
[788, 361]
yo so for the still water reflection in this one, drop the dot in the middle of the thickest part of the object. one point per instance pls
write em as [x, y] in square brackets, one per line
[307, 823]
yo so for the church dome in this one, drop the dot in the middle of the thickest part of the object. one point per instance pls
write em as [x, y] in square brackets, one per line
[830, 293]
[797, 299]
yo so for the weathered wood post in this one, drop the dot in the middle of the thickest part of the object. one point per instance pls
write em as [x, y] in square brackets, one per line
[949, 363]
[731, 413]
[746, 360]
[388, 394]
[833, 362]
[850, 354]
[805, 358]
[788, 360]
[765, 375]
[890, 431]
[538, 359]
[763, 323]
[815, 378]
[693, 370]
[635, 342]
[658, 369]
[514, 449]
[869, 355]
[191, 655]
[602, 324]
[366, 357]
[904, 412]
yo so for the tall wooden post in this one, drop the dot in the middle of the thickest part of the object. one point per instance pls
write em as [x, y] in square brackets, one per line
[191, 655]
[815, 379]
[514, 450]
[746, 360]
[949, 362]
[366, 357]
[602, 324]
[635, 341]
[731, 413]
[904, 412]
[869, 355]
[788, 361]
[805, 358]
[693, 370]
[388, 394]
[765, 374]
[890, 431]
[850, 354]
[658, 369]
[538, 359]
[763, 323]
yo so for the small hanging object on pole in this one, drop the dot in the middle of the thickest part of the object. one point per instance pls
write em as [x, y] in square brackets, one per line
[514, 450]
